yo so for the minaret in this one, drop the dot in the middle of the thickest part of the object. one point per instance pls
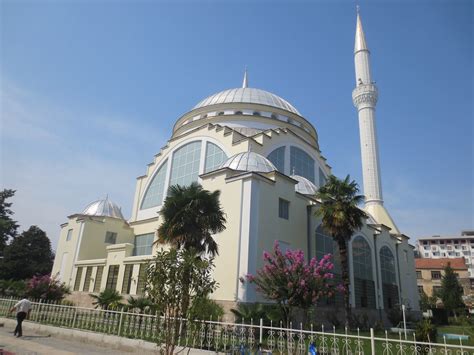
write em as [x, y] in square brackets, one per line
[365, 97]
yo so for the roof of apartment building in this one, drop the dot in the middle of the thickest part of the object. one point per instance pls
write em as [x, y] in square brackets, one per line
[465, 234]
[456, 263]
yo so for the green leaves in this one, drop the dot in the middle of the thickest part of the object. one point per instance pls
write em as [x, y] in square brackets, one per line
[107, 298]
[191, 215]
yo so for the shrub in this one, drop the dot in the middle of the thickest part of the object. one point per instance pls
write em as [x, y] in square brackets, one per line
[426, 331]
[203, 308]
[246, 312]
[12, 288]
[68, 303]
[107, 298]
[395, 316]
[46, 288]
[292, 282]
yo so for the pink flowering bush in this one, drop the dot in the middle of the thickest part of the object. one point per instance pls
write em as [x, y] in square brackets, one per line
[291, 282]
[46, 288]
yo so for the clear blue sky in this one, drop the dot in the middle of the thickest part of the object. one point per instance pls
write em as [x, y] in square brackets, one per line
[90, 91]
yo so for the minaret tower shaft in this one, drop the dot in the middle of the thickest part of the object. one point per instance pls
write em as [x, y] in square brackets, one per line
[365, 97]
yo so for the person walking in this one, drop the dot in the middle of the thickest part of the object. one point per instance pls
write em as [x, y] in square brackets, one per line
[23, 309]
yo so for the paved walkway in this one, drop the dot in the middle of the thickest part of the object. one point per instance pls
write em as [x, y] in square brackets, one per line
[36, 343]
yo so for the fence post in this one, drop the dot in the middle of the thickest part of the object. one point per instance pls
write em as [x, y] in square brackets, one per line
[260, 339]
[74, 318]
[372, 341]
[120, 321]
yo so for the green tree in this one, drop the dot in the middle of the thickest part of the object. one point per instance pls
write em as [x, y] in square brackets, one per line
[29, 254]
[190, 216]
[174, 276]
[426, 302]
[292, 282]
[451, 291]
[107, 299]
[341, 217]
[8, 227]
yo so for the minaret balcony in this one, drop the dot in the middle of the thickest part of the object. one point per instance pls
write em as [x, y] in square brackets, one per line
[365, 95]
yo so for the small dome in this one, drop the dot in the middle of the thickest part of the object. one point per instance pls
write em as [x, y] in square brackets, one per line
[250, 96]
[103, 207]
[304, 186]
[249, 161]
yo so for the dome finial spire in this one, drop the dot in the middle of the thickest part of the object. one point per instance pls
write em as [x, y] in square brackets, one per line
[245, 83]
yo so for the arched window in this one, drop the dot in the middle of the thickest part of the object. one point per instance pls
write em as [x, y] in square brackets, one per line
[389, 279]
[185, 164]
[215, 156]
[277, 157]
[325, 244]
[301, 163]
[154, 193]
[364, 286]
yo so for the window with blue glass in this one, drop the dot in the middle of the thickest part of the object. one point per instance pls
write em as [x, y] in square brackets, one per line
[364, 286]
[389, 280]
[301, 163]
[322, 178]
[143, 244]
[277, 157]
[154, 194]
[215, 156]
[185, 164]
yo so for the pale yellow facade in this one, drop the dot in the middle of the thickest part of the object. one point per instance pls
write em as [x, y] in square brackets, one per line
[262, 205]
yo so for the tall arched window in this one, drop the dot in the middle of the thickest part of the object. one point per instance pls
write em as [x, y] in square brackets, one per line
[325, 244]
[389, 279]
[185, 164]
[364, 286]
[277, 157]
[301, 163]
[215, 156]
[154, 193]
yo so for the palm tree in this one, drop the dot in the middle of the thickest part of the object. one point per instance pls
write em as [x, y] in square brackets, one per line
[140, 303]
[341, 217]
[106, 299]
[190, 216]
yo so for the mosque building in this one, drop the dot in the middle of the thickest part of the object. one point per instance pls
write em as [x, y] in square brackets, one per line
[264, 157]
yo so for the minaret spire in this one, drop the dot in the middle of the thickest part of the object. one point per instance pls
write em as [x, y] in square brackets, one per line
[365, 97]
[360, 43]
[245, 81]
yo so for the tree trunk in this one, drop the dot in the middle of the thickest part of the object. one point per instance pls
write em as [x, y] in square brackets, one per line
[342, 245]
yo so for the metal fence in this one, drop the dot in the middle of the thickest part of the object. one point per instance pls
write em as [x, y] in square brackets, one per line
[234, 338]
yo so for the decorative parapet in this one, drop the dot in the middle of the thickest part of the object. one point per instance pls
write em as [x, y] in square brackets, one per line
[365, 95]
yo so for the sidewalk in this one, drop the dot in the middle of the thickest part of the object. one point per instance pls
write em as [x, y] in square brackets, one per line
[41, 339]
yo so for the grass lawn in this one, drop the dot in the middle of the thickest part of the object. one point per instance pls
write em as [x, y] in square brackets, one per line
[457, 329]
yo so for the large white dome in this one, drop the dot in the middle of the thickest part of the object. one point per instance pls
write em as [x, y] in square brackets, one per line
[248, 95]
[249, 161]
[103, 207]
